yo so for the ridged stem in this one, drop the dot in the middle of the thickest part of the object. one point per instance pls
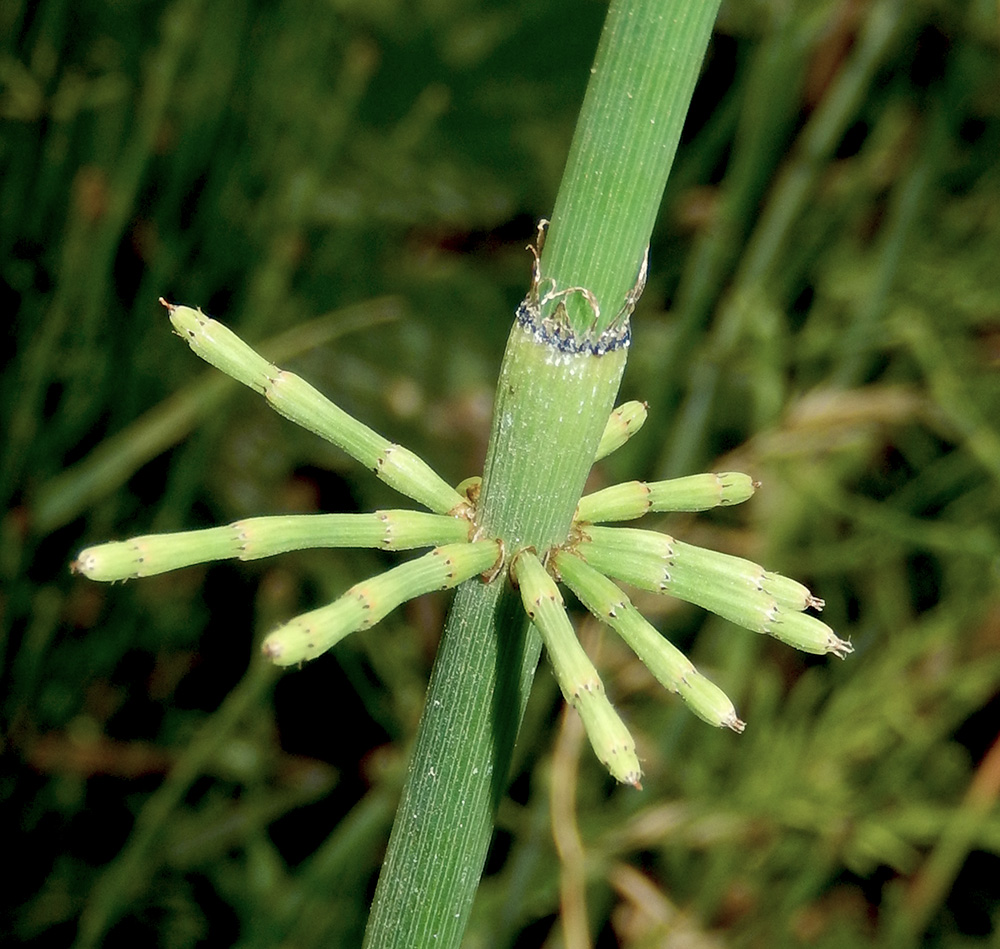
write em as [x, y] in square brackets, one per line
[630, 123]
[551, 410]
[553, 399]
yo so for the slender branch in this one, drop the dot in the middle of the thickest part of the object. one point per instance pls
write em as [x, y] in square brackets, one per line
[256, 537]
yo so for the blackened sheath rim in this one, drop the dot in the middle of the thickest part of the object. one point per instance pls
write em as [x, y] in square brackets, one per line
[562, 337]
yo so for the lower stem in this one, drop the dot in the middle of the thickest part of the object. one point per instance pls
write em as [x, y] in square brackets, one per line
[458, 772]
[553, 401]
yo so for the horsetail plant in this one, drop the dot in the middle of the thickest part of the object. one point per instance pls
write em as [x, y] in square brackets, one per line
[588, 559]
[506, 540]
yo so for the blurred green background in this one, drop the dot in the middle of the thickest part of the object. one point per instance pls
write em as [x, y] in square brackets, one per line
[351, 186]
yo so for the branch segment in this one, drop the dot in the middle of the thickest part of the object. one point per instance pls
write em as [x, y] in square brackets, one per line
[632, 499]
[623, 423]
[671, 667]
[578, 680]
[293, 397]
[736, 589]
[256, 537]
[363, 605]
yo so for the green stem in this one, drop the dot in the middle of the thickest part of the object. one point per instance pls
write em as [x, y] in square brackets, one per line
[630, 123]
[534, 476]
[553, 400]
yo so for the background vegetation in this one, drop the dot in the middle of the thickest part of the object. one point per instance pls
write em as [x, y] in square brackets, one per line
[356, 183]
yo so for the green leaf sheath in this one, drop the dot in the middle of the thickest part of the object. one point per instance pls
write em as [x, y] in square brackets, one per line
[668, 664]
[257, 537]
[736, 589]
[552, 407]
[551, 412]
[293, 397]
[578, 680]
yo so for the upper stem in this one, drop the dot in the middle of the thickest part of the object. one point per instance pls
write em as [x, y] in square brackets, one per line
[625, 140]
